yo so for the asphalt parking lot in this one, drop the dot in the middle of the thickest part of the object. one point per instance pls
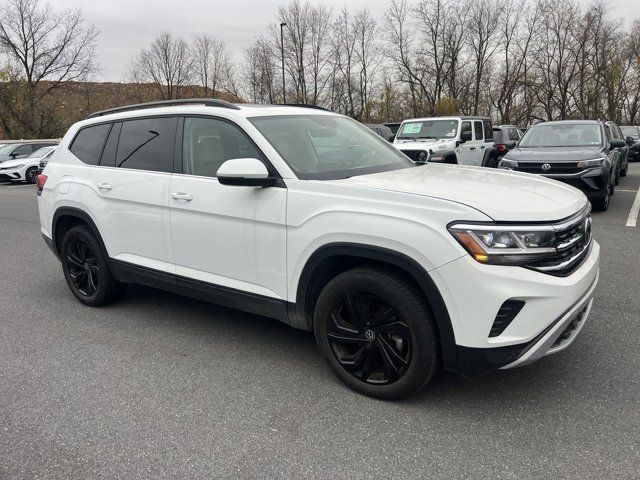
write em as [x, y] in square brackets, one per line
[159, 386]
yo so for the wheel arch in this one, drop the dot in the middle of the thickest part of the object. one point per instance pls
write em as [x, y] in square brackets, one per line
[332, 259]
[66, 218]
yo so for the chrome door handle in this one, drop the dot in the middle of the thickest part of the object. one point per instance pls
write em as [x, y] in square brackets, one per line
[181, 196]
[472, 148]
[105, 186]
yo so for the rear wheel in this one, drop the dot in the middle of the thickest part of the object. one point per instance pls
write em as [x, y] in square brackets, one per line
[623, 173]
[85, 268]
[377, 333]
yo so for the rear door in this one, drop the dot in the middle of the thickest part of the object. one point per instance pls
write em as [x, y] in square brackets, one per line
[467, 149]
[478, 147]
[129, 191]
[225, 237]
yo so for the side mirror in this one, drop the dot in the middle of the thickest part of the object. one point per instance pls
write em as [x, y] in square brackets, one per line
[244, 172]
[465, 137]
[630, 141]
[617, 143]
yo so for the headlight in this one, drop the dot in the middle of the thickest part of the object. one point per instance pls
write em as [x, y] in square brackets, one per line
[505, 162]
[596, 162]
[505, 245]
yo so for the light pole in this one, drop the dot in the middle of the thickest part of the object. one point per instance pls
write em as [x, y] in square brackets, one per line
[284, 94]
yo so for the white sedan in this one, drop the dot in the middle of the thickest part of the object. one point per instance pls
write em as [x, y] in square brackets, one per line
[24, 169]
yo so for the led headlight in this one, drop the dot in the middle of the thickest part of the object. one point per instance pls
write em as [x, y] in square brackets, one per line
[505, 245]
[596, 162]
[506, 163]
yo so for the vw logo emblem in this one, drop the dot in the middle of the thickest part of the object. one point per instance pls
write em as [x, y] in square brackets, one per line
[370, 335]
[546, 167]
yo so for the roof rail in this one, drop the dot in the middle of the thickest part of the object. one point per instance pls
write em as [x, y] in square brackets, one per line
[208, 102]
[302, 105]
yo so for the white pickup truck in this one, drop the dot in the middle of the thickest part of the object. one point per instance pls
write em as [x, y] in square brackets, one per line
[457, 140]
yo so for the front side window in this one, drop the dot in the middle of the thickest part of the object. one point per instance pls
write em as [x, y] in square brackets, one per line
[428, 130]
[465, 128]
[478, 128]
[562, 135]
[147, 144]
[329, 147]
[88, 144]
[630, 132]
[22, 151]
[209, 142]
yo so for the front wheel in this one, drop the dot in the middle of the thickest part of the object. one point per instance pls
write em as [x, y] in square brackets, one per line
[31, 174]
[601, 203]
[377, 333]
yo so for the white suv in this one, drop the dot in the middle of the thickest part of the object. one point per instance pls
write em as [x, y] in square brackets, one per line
[457, 140]
[309, 217]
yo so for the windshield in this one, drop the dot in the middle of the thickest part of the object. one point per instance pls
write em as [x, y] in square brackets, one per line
[428, 129]
[6, 150]
[630, 132]
[328, 147]
[43, 152]
[562, 135]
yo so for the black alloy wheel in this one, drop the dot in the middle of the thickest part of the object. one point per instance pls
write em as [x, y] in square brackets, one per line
[369, 339]
[31, 175]
[377, 333]
[83, 267]
[86, 269]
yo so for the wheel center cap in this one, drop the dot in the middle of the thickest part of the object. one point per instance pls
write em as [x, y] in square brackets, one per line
[370, 335]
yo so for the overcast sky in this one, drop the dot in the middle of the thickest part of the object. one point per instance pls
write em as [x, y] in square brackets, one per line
[126, 26]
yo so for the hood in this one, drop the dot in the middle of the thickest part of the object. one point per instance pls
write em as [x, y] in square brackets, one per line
[12, 163]
[554, 154]
[500, 194]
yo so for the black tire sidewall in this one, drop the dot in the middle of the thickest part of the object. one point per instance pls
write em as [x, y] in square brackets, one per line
[412, 309]
[26, 175]
[105, 280]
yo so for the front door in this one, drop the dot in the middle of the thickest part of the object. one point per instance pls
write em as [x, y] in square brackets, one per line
[225, 236]
[466, 150]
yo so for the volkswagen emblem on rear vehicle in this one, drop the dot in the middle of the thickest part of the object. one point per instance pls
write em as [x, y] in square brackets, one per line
[370, 335]
[546, 167]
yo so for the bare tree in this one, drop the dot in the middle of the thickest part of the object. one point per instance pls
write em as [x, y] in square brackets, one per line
[166, 64]
[47, 50]
[212, 64]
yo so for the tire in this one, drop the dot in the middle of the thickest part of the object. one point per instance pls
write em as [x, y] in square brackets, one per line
[617, 181]
[31, 174]
[623, 173]
[377, 333]
[86, 270]
[601, 203]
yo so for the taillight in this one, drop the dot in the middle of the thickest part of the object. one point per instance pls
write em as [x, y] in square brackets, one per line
[501, 147]
[40, 181]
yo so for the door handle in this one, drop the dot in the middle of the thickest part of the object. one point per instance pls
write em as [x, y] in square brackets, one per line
[181, 196]
[105, 186]
[482, 146]
[472, 148]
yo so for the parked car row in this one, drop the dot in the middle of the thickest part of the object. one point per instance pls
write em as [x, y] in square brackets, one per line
[21, 162]
[589, 155]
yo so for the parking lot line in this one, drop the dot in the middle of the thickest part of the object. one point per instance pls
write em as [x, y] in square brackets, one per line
[633, 213]
[21, 186]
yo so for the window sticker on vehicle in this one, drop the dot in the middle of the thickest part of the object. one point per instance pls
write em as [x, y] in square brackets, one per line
[451, 133]
[412, 128]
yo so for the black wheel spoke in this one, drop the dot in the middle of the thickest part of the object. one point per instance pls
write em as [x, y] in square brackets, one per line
[353, 360]
[392, 354]
[368, 364]
[75, 260]
[346, 338]
[350, 303]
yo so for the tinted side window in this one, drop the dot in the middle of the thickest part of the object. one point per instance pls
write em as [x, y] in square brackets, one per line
[477, 126]
[209, 142]
[513, 134]
[488, 131]
[109, 153]
[22, 150]
[465, 127]
[87, 145]
[147, 144]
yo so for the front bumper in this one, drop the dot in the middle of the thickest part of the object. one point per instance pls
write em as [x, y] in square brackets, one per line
[9, 175]
[592, 181]
[474, 294]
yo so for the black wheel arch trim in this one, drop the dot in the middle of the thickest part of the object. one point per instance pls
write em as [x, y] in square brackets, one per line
[80, 215]
[298, 316]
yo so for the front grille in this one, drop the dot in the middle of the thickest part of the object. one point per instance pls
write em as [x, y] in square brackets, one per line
[508, 311]
[573, 241]
[415, 155]
[553, 168]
